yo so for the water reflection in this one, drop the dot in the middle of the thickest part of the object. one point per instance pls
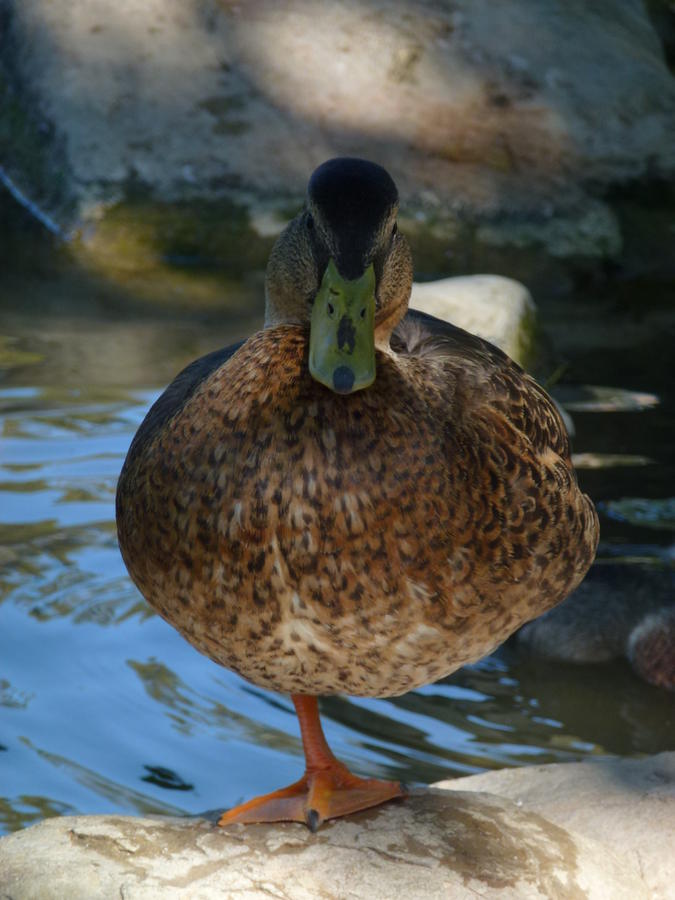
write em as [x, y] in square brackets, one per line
[121, 796]
[20, 811]
[165, 778]
[105, 708]
[185, 708]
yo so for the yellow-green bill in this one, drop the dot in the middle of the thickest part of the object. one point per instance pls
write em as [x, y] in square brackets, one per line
[342, 332]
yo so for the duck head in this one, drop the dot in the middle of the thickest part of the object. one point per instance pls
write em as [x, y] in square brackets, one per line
[342, 269]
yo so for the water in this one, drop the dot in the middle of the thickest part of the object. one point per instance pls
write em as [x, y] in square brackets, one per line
[104, 708]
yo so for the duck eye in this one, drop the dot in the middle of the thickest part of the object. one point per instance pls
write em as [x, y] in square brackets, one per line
[394, 229]
[310, 222]
[363, 313]
[331, 309]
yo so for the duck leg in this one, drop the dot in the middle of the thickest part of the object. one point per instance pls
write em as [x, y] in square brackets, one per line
[327, 790]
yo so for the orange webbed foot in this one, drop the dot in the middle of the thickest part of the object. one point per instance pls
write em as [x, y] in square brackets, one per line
[317, 796]
[327, 790]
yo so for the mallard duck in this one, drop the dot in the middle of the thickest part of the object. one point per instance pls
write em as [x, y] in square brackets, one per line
[621, 609]
[359, 498]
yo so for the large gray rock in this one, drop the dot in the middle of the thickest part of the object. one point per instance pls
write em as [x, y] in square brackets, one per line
[604, 828]
[626, 804]
[434, 845]
[513, 117]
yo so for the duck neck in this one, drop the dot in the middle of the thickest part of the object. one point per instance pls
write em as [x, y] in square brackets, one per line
[387, 319]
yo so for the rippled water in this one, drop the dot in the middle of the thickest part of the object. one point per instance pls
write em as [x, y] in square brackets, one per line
[103, 707]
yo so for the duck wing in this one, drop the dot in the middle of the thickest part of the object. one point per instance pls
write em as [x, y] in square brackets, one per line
[178, 393]
[503, 383]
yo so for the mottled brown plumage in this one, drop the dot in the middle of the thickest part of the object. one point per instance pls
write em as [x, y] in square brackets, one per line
[364, 543]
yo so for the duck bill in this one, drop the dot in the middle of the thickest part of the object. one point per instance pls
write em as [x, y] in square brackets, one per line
[342, 332]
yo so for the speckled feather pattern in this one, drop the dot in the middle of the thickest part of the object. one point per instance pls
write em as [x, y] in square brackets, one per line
[362, 544]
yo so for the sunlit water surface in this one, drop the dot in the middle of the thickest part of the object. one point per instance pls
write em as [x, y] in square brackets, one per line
[104, 708]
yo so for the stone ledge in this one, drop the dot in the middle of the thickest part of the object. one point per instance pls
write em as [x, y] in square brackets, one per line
[189, 101]
[626, 804]
[436, 844]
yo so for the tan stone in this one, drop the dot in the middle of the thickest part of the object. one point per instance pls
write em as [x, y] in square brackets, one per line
[626, 804]
[498, 309]
[499, 114]
[434, 845]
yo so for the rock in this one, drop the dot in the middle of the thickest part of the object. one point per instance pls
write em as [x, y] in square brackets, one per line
[498, 309]
[435, 844]
[626, 804]
[134, 123]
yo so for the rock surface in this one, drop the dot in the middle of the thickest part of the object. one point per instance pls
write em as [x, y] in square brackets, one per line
[512, 117]
[433, 845]
[597, 829]
[626, 804]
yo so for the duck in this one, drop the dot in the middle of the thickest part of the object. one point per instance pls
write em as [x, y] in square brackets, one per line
[359, 498]
[621, 609]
